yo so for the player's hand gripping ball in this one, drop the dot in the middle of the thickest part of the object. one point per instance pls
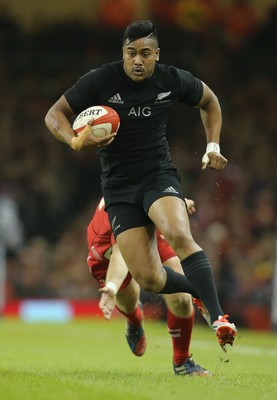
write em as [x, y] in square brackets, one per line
[106, 121]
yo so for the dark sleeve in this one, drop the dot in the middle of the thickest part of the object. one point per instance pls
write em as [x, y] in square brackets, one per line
[85, 92]
[191, 88]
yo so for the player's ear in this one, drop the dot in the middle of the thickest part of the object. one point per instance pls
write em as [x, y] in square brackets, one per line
[157, 54]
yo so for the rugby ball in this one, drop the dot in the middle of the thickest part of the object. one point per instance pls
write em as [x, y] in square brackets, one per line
[106, 121]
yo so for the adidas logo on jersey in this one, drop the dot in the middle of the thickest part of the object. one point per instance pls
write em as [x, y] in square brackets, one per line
[170, 189]
[116, 99]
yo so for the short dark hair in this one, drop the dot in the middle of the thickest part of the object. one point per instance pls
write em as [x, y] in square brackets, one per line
[140, 29]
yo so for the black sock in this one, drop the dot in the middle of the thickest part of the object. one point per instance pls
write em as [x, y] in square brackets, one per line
[198, 271]
[176, 283]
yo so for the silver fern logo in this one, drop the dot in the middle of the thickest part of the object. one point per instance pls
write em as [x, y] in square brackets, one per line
[163, 95]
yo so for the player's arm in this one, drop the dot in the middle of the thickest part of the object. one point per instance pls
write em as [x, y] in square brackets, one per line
[117, 270]
[210, 112]
[190, 206]
[57, 121]
[116, 273]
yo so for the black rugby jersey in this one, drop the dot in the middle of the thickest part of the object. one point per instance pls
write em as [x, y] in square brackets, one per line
[140, 146]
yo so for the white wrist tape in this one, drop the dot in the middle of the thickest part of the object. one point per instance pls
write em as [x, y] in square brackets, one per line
[111, 285]
[211, 147]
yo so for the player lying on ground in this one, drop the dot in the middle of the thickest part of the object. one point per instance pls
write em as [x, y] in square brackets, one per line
[121, 291]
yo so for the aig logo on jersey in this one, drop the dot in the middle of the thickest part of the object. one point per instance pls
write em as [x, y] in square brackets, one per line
[161, 98]
[139, 112]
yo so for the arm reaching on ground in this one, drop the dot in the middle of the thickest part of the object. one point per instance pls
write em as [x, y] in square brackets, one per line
[116, 274]
[190, 206]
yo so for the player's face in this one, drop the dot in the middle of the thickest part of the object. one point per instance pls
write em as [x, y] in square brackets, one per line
[140, 57]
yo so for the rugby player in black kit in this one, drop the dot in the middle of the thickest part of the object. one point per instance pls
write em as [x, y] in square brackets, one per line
[140, 184]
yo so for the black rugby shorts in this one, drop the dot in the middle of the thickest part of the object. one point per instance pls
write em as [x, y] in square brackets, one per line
[128, 205]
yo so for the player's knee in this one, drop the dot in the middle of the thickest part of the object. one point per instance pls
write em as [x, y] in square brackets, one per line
[149, 283]
[182, 242]
[180, 304]
[127, 307]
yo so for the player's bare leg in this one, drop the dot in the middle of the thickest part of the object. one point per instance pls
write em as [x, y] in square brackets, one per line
[143, 260]
[170, 216]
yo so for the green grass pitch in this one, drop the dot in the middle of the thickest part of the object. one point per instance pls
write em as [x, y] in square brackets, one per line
[90, 359]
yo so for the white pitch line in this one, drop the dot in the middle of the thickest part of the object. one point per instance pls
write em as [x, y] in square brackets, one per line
[237, 348]
[244, 349]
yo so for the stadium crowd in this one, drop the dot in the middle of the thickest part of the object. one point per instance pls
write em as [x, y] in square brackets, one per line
[54, 190]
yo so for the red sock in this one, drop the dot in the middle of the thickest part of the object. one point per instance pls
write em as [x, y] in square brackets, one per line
[134, 318]
[180, 331]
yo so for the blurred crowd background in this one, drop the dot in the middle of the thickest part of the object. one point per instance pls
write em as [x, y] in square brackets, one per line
[48, 192]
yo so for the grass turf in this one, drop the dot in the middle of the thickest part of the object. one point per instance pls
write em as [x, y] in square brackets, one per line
[90, 359]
